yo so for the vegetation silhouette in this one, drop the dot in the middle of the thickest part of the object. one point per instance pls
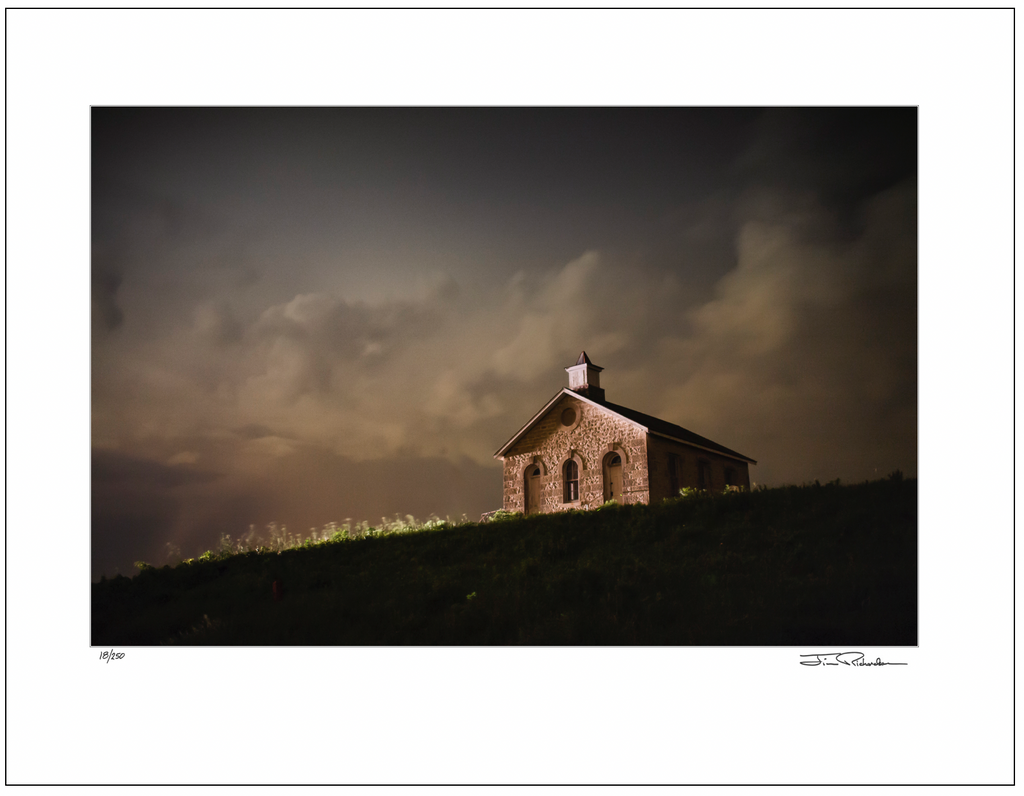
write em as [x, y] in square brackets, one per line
[804, 565]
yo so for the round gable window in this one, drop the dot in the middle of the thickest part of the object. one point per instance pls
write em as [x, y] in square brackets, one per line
[568, 416]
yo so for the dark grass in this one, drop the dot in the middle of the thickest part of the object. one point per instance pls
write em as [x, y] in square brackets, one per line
[802, 566]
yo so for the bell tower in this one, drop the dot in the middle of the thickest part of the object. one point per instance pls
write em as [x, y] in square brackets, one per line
[584, 378]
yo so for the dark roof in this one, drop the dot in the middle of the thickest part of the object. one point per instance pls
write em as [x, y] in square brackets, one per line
[659, 426]
[653, 424]
[585, 360]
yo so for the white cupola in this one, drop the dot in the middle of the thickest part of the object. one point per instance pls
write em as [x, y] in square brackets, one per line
[584, 378]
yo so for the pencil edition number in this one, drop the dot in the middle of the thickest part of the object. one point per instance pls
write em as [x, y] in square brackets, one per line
[110, 655]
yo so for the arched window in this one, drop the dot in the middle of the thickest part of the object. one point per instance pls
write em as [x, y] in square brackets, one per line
[571, 477]
[532, 489]
[612, 477]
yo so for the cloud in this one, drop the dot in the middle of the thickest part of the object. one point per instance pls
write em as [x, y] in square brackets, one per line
[110, 468]
[806, 356]
[216, 323]
[811, 325]
[456, 369]
[543, 321]
[254, 431]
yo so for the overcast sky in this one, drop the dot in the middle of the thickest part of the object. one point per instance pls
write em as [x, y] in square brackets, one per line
[307, 315]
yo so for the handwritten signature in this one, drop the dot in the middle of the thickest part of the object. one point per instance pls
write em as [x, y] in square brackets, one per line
[844, 658]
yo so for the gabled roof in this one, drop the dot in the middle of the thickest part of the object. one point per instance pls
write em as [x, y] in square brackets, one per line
[648, 423]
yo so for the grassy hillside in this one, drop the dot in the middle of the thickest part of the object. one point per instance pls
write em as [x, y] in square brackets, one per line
[810, 565]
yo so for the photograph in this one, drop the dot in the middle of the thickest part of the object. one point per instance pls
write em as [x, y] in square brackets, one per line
[504, 376]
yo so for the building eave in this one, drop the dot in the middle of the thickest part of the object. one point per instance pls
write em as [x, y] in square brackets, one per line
[737, 456]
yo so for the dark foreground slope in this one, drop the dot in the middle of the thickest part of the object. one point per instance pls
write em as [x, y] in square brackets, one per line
[809, 566]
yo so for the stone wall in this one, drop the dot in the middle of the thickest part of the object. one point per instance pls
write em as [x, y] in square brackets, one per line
[688, 458]
[588, 439]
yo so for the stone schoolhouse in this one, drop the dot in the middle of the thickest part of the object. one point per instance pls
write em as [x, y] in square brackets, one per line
[580, 451]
